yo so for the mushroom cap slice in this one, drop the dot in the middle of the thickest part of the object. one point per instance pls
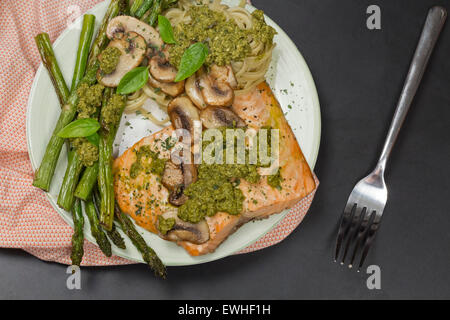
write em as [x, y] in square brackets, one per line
[172, 176]
[217, 117]
[215, 93]
[173, 89]
[197, 233]
[183, 114]
[223, 74]
[132, 49]
[124, 24]
[162, 70]
[176, 178]
[194, 92]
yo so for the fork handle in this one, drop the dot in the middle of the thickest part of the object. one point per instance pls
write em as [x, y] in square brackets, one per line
[430, 33]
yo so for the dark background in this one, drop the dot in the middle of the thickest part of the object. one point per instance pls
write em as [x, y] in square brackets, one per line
[359, 74]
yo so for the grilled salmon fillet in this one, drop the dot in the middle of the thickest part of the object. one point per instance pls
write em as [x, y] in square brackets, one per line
[144, 198]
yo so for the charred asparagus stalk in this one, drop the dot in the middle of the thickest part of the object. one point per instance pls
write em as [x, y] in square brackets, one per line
[114, 234]
[87, 182]
[135, 7]
[143, 8]
[109, 120]
[49, 60]
[46, 170]
[96, 231]
[78, 235]
[148, 254]
[156, 9]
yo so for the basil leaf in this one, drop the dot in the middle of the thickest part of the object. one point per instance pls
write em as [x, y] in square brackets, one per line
[94, 139]
[165, 30]
[79, 128]
[193, 58]
[133, 80]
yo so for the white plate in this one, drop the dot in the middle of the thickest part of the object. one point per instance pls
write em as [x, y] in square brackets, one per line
[288, 76]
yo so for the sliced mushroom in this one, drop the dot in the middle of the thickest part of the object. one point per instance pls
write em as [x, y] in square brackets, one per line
[216, 117]
[176, 178]
[223, 74]
[197, 233]
[194, 92]
[215, 93]
[177, 196]
[161, 69]
[173, 89]
[189, 172]
[172, 176]
[123, 24]
[183, 114]
[132, 48]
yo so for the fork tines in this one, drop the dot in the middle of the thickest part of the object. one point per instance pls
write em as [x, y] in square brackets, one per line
[357, 231]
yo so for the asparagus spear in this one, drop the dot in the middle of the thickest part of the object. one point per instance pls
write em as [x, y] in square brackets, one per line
[155, 11]
[48, 57]
[73, 171]
[105, 176]
[87, 182]
[78, 236]
[135, 6]
[148, 254]
[87, 31]
[102, 40]
[143, 8]
[114, 234]
[46, 170]
[89, 178]
[124, 7]
[96, 230]
[74, 167]
[49, 60]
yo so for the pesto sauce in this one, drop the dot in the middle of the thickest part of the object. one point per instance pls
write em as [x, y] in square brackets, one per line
[87, 152]
[112, 112]
[165, 225]
[216, 189]
[275, 180]
[90, 99]
[156, 166]
[109, 59]
[226, 41]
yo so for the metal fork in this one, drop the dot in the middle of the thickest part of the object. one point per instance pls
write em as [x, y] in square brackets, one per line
[364, 209]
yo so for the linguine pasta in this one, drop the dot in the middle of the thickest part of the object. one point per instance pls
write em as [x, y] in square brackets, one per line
[249, 72]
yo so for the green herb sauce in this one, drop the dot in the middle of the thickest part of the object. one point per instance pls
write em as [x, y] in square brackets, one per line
[226, 41]
[109, 59]
[165, 225]
[156, 166]
[216, 189]
[90, 99]
[112, 112]
[275, 180]
[87, 151]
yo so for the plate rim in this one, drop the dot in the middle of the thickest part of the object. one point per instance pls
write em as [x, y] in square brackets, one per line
[317, 135]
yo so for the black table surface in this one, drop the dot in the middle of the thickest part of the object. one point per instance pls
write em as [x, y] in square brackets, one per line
[359, 74]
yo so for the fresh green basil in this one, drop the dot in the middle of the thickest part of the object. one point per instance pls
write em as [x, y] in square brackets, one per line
[165, 30]
[193, 58]
[94, 139]
[133, 80]
[80, 128]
